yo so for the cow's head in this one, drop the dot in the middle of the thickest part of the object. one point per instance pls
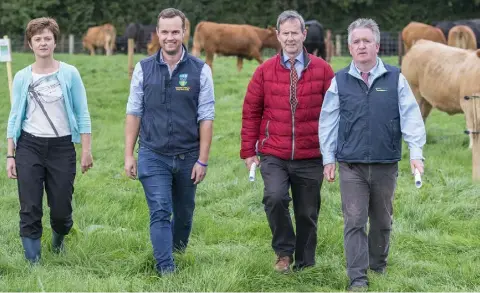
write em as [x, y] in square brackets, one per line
[271, 40]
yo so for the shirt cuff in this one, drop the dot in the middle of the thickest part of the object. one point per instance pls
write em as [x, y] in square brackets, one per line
[329, 159]
[416, 154]
[135, 113]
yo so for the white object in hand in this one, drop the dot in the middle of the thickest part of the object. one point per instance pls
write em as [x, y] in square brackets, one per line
[251, 176]
[418, 178]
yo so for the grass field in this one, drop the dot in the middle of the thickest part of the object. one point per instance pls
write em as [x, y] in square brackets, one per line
[435, 242]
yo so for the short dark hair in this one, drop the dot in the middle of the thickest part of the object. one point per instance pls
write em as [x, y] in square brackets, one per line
[171, 13]
[37, 25]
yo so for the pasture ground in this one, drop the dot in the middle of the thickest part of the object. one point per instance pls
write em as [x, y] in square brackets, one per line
[435, 242]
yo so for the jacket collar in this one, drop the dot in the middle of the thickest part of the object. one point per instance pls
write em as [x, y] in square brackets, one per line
[378, 70]
[306, 59]
[159, 58]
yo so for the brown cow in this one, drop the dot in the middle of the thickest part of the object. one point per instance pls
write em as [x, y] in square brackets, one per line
[154, 44]
[415, 31]
[241, 40]
[100, 36]
[269, 40]
[441, 77]
[462, 36]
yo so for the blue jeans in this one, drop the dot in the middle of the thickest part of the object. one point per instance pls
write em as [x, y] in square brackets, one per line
[169, 190]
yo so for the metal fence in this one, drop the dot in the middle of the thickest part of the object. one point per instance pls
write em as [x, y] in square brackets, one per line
[389, 45]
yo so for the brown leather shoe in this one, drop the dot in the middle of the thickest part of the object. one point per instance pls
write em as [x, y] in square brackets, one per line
[282, 265]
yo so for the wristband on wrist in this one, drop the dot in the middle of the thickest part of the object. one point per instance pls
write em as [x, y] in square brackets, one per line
[201, 164]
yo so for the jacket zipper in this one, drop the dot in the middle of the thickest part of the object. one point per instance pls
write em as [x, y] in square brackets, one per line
[293, 132]
[393, 136]
[369, 133]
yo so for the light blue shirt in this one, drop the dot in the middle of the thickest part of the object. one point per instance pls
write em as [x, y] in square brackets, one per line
[206, 98]
[75, 98]
[411, 122]
[298, 64]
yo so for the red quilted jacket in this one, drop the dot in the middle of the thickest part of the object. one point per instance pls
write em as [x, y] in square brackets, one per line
[267, 117]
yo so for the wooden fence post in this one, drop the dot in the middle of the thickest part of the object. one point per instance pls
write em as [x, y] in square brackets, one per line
[71, 44]
[338, 45]
[131, 45]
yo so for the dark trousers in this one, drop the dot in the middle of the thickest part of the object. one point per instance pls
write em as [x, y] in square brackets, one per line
[45, 164]
[367, 192]
[305, 179]
[170, 195]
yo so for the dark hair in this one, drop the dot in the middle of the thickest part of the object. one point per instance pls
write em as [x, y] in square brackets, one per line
[171, 13]
[37, 25]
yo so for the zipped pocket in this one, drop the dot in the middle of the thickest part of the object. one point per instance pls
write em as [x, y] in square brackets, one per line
[266, 134]
[393, 133]
[346, 134]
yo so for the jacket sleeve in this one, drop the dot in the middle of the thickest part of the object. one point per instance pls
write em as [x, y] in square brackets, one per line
[252, 114]
[16, 97]
[411, 121]
[80, 107]
[328, 124]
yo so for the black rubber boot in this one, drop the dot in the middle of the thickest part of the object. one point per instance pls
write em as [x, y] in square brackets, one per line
[58, 242]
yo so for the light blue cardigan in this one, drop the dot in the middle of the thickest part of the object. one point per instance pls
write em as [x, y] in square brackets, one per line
[74, 94]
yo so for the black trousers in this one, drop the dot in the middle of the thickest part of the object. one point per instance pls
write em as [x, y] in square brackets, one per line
[305, 179]
[45, 164]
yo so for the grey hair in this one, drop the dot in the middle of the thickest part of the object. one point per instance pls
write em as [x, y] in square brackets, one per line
[364, 23]
[290, 14]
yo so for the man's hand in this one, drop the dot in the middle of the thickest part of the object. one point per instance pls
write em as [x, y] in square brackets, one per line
[86, 161]
[416, 164]
[329, 172]
[131, 167]
[11, 168]
[198, 173]
[251, 160]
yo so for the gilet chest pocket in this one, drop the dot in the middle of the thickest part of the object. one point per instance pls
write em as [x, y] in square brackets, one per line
[155, 94]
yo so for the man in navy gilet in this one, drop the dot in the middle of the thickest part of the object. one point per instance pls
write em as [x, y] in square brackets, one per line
[367, 108]
[171, 110]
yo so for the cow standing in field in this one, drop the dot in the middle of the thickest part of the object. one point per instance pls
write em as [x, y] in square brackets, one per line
[243, 41]
[141, 34]
[154, 45]
[315, 40]
[441, 77]
[415, 31]
[268, 37]
[100, 37]
[473, 24]
[462, 36]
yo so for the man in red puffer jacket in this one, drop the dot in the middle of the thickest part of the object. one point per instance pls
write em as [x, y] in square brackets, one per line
[280, 123]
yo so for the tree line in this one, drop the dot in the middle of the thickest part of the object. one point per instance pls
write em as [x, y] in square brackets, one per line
[75, 16]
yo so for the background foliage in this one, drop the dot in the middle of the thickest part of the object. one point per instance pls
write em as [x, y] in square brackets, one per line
[75, 16]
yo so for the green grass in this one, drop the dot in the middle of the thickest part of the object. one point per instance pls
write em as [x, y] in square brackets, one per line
[435, 243]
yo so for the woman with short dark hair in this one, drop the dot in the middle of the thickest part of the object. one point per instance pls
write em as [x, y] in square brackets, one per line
[49, 114]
